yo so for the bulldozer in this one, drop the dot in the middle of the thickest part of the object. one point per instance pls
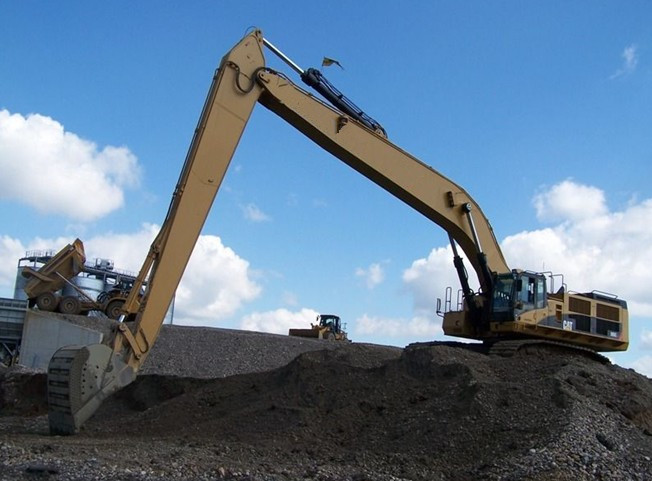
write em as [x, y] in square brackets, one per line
[327, 326]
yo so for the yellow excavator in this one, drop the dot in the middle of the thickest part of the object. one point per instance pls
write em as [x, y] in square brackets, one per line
[510, 304]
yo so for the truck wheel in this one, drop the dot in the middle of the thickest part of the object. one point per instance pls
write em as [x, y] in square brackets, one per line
[114, 308]
[330, 336]
[70, 305]
[47, 301]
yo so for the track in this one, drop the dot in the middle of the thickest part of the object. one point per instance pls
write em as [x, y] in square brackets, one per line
[510, 347]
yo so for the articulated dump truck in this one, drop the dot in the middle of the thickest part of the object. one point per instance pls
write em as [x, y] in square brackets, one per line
[44, 283]
[45, 288]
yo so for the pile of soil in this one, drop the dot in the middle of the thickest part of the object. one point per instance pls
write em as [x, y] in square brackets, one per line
[356, 412]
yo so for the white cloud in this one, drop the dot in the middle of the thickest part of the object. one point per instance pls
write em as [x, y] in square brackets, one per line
[427, 279]
[278, 321]
[372, 276]
[569, 201]
[253, 213]
[215, 285]
[643, 365]
[646, 340]
[630, 57]
[128, 251]
[610, 251]
[55, 171]
[419, 328]
[630, 62]
[10, 251]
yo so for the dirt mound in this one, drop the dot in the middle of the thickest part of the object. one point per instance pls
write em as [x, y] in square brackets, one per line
[436, 409]
[360, 412]
[22, 392]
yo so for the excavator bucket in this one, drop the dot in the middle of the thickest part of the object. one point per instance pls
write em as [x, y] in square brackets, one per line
[79, 379]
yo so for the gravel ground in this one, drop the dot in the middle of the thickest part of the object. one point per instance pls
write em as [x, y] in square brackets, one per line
[217, 404]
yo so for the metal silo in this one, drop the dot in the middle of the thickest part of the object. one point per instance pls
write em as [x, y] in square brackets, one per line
[19, 293]
[91, 286]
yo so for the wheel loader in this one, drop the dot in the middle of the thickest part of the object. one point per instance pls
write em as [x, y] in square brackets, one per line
[327, 326]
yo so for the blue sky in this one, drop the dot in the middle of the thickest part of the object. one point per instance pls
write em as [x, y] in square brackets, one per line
[541, 111]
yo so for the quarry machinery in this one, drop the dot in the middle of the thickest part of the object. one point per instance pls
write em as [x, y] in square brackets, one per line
[509, 304]
[44, 285]
[326, 326]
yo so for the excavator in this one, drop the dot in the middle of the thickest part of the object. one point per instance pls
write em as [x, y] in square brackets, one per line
[510, 306]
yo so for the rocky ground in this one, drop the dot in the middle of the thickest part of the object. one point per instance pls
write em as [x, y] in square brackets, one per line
[220, 404]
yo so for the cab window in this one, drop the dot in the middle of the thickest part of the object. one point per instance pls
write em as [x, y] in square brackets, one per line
[541, 294]
[531, 292]
[503, 294]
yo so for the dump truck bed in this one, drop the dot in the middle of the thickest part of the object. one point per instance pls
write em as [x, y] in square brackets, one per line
[65, 265]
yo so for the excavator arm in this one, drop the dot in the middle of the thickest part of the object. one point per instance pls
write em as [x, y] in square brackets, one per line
[81, 377]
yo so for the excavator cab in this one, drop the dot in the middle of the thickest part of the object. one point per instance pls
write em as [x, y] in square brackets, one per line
[515, 293]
